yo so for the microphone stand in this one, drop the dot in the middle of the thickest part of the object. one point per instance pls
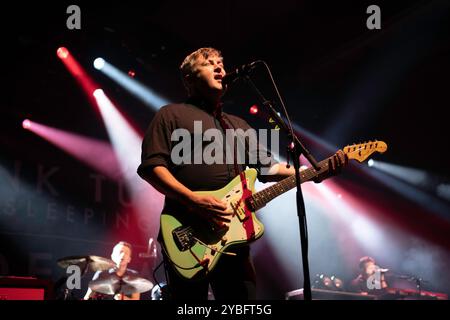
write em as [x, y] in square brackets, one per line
[296, 149]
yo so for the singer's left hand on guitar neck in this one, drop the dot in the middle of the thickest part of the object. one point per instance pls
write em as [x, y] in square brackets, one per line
[334, 166]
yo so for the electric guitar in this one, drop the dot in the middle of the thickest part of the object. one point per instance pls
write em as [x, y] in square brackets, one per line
[194, 247]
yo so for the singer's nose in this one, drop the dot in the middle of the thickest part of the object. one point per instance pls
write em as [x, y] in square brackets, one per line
[218, 69]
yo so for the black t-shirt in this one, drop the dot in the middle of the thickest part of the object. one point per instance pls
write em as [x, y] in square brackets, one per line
[157, 147]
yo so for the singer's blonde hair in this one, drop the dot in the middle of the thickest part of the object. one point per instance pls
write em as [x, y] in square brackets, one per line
[187, 68]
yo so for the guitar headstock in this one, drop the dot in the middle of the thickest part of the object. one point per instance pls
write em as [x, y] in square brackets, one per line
[362, 151]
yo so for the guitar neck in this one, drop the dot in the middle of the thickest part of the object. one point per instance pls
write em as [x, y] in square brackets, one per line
[359, 152]
[261, 198]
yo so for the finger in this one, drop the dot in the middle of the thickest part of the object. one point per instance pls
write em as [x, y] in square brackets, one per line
[223, 224]
[332, 164]
[216, 206]
[219, 204]
[221, 219]
[338, 164]
[223, 212]
[341, 162]
[343, 157]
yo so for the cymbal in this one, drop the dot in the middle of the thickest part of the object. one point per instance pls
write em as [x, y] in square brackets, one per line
[95, 263]
[113, 284]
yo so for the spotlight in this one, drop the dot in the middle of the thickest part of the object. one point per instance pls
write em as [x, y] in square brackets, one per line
[98, 92]
[99, 63]
[62, 52]
[26, 124]
[254, 109]
[338, 283]
[443, 190]
[322, 281]
[127, 80]
[327, 282]
[370, 163]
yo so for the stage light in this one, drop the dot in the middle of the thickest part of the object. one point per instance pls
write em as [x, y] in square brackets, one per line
[97, 154]
[98, 92]
[99, 63]
[126, 143]
[62, 52]
[73, 66]
[126, 80]
[322, 281]
[443, 191]
[125, 140]
[254, 109]
[417, 177]
[26, 124]
[370, 163]
[338, 283]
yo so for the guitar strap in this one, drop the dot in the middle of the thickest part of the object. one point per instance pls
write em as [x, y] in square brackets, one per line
[247, 223]
[225, 126]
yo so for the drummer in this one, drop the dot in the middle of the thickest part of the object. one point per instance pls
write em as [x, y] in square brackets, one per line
[121, 255]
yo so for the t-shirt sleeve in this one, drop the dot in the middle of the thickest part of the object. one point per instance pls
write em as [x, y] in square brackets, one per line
[157, 145]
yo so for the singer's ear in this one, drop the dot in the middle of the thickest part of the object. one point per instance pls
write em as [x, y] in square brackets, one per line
[187, 79]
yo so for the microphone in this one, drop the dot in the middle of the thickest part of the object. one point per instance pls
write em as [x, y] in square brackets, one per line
[238, 72]
[150, 253]
[382, 270]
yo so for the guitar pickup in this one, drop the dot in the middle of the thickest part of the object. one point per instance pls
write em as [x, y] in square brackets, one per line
[239, 210]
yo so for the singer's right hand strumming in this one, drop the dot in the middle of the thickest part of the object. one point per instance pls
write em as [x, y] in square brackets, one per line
[211, 209]
[208, 207]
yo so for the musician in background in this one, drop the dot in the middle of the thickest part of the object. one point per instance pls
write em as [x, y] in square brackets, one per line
[202, 73]
[371, 279]
[121, 255]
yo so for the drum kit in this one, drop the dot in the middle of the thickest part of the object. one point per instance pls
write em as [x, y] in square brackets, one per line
[111, 284]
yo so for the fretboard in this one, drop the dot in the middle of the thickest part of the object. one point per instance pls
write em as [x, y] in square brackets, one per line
[261, 198]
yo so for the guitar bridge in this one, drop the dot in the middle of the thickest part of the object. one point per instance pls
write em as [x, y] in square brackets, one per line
[184, 238]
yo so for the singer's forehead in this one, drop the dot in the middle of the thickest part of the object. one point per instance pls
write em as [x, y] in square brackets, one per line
[210, 57]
